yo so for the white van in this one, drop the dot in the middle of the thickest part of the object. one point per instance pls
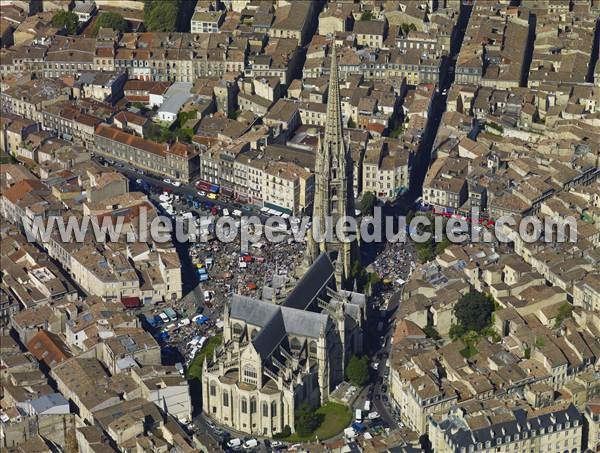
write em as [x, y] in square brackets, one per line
[233, 443]
[367, 406]
[250, 443]
[358, 416]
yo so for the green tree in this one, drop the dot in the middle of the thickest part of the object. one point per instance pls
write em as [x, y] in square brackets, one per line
[456, 331]
[441, 246]
[431, 333]
[286, 432]
[357, 370]
[366, 15]
[564, 312]
[110, 20]
[367, 203]
[397, 131]
[161, 15]
[67, 19]
[474, 311]
[233, 114]
[425, 252]
[307, 420]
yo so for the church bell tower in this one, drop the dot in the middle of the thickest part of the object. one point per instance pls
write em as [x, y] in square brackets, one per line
[334, 194]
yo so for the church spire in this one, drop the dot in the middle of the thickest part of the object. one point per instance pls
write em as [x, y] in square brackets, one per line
[333, 125]
[333, 194]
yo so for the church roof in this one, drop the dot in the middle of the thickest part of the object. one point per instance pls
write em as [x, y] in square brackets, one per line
[311, 283]
[276, 322]
[271, 335]
[252, 312]
[304, 323]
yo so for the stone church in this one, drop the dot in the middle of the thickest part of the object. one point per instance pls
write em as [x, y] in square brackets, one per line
[292, 346]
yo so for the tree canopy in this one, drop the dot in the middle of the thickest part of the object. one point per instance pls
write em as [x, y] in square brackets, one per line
[307, 420]
[67, 19]
[160, 15]
[366, 15]
[357, 370]
[474, 311]
[367, 203]
[110, 20]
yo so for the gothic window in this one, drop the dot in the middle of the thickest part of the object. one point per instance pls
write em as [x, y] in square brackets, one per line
[295, 344]
[333, 173]
[273, 409]
[244, 405]
[334, 191]
[253, 334]
[213, 389]
[237, 329]
[313, 347]
[225, 399]
[265, 409]
[253, 405]
[250, 375]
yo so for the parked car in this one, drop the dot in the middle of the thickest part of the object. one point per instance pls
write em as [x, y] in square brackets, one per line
[177, 183]
[167, 180]
[373, 415]
[202, 193]
[212, 196]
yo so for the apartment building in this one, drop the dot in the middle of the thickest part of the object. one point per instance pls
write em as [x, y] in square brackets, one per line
[178, 160]
[385, 168]
[445, 185]
[206, 21]
[554, 429]
[68, 121]
[102, 273]
[586, 293]
[31, 98]
[370, 33]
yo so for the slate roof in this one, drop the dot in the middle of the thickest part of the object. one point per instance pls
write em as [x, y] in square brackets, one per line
[252, 311]
[270, 336]
[517, 422]
[304, 323]
[312, 282]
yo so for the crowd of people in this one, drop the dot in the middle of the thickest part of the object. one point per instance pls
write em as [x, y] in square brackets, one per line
[393, 266]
